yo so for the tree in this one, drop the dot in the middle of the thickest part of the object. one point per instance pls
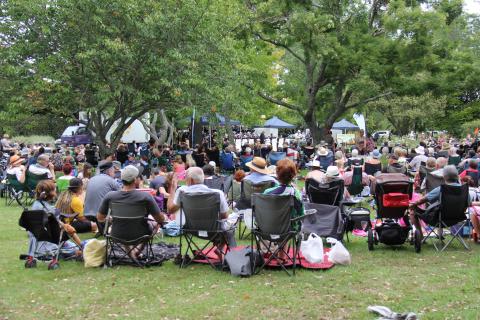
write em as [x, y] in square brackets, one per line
[340, 55]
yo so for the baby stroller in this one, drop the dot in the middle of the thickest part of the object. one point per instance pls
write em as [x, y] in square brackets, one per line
[47, 240]
[392, 197]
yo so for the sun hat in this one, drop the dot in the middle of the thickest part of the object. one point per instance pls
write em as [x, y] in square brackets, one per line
[445, 146]
[129, 173]
[315, 164]
[212, 163]
[332, 171]
[259, 165]
[16, 160]
[376, 154]
[420, 150]
[322, 151]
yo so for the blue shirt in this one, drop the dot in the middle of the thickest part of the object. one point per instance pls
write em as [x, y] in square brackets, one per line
[256, 177]
[434, 195]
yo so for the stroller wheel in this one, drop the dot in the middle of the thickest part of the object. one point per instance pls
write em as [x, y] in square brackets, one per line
[30, 263]
[418, 241]
[370, 240]
[54, 265]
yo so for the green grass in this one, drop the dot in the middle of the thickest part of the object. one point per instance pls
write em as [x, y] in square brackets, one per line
[437, 286]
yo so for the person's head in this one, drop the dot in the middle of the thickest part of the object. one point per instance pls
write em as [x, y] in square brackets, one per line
[258, 164]
[106, 167]
[315, 165]
[67, 169]
[208, 170]
[129, 175]
[471, 153]
[239, 175]
[468, 181]
[385, 150]
[248, 151]
[376, 154]
[338, 155]
[194, 176]
[332, 172]
[473, 164]
[87, 170]
[431, 163]
[178, 159]
[393, 159]
[286, 171]
[16, 161]
[452, 151]
[441, 162]
[43, 160]
[45, 190]
[156, 171]
[450, 174]
[75, 185]
[354, 153]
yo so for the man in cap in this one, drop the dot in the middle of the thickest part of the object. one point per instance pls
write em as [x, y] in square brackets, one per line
[258, 171]
[98, 187]
[315, 172]
[130, 195]
[418, 159]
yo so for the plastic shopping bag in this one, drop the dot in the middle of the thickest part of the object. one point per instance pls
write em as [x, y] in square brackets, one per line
[312, 248]
[338, 253]
[94, 254]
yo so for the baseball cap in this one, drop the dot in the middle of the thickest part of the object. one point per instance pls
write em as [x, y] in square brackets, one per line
[129, 173]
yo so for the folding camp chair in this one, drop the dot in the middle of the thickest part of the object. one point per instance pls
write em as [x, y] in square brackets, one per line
[453, 210]
[356, 187]
[216, 182]
[325, 193]
[31, 181]
[433, 181]
[15, 190]
[248, 188]
[275, 230]
[44, 228]
[202, 220]
[371, 169]
[327, 221]
[129, 230]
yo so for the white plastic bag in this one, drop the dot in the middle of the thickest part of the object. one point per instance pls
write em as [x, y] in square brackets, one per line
[338, 253]
[312, 248]
[247, 219]
[94, 254]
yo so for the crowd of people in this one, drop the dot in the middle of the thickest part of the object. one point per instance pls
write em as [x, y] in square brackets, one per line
[81, 186]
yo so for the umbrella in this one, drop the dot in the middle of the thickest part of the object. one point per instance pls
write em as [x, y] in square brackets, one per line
[275, 122]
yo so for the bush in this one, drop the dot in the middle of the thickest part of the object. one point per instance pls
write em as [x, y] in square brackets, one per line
[34, 139]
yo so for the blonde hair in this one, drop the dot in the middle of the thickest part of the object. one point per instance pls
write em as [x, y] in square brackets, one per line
[64, 202]
[190, 161]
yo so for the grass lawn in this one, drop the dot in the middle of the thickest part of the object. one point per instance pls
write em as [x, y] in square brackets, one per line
[436, 286]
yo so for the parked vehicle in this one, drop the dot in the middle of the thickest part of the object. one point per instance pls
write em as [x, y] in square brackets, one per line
[379, 134]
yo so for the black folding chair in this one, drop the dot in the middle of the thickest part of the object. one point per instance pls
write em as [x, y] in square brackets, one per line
[326, 221]
[216, 182]
[433, 181]
[15, 190]
[44, 227]
[275, 230]
[129, 231]
[371, 169]
[453, 211]
[247, 189]
[325, 193]
[203, 221]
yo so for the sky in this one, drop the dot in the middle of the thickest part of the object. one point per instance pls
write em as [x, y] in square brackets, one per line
[472, 6]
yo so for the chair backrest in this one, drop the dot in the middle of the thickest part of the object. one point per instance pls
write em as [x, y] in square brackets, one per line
[273, 213]
[33, 179]
[423, 170]
[42, 225]
[326, 222]
[129, 220]
[474, 176]
[453, 203]
[396, 169]
[391, 183]
[201, 210]
[275, 156]
[372, 169]
[14, 183]
[216, 182]
[433, 181]
[325, 193]
[356, 186]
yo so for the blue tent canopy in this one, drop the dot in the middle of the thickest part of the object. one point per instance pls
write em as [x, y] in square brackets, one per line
[275, 122]
[344, 125]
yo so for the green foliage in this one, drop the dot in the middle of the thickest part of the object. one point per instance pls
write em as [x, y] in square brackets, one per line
[36, 139]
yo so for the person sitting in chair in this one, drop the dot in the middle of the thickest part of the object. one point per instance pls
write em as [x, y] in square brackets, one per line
[315, 172]
[43, 166]
[195, 179]
[450, 175]
[128, 195]
[259, 171]
[16, 167]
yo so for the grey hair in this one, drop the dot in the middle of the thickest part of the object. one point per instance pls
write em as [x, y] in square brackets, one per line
[441, 162]
[385, 150]
[354, 153]
[196, 175]
[43, 157]
[450, 173]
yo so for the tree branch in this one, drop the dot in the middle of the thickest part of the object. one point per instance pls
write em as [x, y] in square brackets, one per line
[356, 104]
[279, 102]
[278, 44]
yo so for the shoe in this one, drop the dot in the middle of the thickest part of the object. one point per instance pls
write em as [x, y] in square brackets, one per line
[359, 233]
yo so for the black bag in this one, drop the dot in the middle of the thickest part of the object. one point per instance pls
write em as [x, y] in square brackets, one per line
[391, 233]
[355, 218]
[241, 261]
[431, 214]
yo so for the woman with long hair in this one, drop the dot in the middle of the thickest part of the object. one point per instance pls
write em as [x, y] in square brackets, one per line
[70, 204]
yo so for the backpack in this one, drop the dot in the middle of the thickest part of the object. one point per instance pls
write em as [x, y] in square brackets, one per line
[242, 260]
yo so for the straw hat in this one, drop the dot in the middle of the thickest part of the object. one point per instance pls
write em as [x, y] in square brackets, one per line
[322, 151]
[259, 165]
[16, 160]
[315, 164]
[445, 146]
[332, 171]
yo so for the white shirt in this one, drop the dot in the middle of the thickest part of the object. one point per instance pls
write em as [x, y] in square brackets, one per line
[198, 188]
[39, 170]
[417, 160]
[17, 171]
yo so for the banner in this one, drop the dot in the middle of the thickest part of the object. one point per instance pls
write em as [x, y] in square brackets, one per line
[348, 138]
[360, 120]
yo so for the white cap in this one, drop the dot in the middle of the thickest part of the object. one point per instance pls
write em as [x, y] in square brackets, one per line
[212, 163]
